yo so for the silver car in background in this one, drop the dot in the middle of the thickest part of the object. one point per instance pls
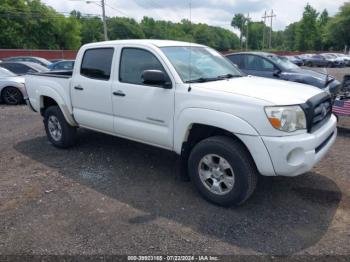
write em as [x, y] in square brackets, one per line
[12, 91]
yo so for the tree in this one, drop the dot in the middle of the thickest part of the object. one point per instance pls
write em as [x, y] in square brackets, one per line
[337, 32]
[307, 30]
[238, 22]
[124, 28]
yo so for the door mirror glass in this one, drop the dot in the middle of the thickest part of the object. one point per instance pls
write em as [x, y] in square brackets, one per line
[155, 77]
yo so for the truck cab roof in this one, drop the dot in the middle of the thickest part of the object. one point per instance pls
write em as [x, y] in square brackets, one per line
[154, 42]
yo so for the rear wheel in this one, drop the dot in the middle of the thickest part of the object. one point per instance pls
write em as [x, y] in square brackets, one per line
[12, 95]
[58, 131]
[222, 170]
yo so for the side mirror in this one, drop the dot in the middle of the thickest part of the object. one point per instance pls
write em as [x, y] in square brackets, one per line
[155, 77]
[277, 72]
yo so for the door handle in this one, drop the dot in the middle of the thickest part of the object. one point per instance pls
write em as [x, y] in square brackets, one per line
[79, 87]
[118, 93]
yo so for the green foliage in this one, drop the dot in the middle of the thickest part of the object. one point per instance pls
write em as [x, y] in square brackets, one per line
[337, 31]
[31, 24]
[314, 32]
[238, 22]
[307, 31]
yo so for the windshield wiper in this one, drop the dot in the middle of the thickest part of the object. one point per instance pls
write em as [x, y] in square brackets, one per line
[208, 79]
[202, 80]
[228, 76]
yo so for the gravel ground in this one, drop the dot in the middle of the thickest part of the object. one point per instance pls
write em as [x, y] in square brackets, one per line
[112, 196]
[338, 73]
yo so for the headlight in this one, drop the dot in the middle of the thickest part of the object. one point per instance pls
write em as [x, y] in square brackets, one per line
[286, 118]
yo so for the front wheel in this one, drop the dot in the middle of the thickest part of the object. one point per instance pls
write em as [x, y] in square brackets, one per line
[58, 131]
[222, 170]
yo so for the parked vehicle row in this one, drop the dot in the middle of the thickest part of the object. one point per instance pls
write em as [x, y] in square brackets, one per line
[277, 67]
[321, 60]
[12, 68]
[55, 64]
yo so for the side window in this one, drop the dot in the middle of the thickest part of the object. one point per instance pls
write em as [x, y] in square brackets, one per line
[64, 66]
[133, 62]
[257, 63]
[236, 59]
[97, 63]
[20, 69]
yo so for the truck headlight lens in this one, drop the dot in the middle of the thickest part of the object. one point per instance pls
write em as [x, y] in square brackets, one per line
[286, 118]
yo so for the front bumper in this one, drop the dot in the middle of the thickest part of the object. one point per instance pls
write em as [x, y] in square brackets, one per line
[295, 155]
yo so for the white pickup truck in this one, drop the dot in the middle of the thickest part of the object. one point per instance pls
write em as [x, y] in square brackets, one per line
[228, 128]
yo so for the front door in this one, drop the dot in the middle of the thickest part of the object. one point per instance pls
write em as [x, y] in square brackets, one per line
[258, 66]
[142, 112]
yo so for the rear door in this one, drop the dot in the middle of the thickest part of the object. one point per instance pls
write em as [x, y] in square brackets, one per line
[142, 112]
[91, 89]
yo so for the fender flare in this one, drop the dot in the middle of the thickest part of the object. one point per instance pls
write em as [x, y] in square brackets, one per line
[51, 93]
[245, 132]
[190, 116]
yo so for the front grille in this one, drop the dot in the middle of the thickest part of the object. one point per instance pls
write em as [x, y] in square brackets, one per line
[318, 110]
[321, 111]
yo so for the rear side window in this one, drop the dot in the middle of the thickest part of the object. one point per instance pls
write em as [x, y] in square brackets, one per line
[133, 62]
[236, 59]
[97, 63]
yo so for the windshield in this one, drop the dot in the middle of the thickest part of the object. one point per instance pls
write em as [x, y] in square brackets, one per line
[206, 64]
[283, 62]
[5, 73]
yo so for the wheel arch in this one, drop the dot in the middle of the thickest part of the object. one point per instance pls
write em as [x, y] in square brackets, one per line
[213, 123]
[53, 99]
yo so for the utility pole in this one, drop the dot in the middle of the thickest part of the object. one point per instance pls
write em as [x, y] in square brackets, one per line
[103, 5]
[247, 33]
[104, 19]
[264, 32]
[271, 17]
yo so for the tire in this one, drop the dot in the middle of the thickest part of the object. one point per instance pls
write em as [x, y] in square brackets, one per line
[242, 169]
[309, 64]
[58, 131]
[12, 95]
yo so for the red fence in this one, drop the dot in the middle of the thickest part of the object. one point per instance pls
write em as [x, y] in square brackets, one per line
[48, 54]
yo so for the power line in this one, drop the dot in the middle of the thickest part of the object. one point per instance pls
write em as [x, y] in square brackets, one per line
[121, 12]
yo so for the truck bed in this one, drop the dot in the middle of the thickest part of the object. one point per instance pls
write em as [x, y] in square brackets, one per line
[51, 84]
[59, 74]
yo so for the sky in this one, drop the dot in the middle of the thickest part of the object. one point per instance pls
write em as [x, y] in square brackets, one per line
[212, 12]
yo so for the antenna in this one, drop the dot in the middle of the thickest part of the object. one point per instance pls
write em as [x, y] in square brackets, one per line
[190, 54]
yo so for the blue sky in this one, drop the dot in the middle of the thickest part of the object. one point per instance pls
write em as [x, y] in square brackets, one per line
[213, 12]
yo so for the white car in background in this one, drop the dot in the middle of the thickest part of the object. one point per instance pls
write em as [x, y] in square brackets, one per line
[12, 91]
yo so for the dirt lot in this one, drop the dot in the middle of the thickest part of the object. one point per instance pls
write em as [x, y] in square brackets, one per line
[338, 73]
[112, 196]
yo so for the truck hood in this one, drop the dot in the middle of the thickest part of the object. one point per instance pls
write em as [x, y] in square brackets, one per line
[311, 77]
[276, 92]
